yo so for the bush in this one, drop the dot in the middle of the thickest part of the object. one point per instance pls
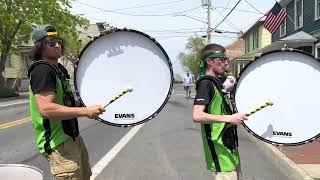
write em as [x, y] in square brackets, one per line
[6, 92]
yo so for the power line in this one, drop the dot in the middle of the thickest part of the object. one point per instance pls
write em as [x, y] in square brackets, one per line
[240, 10]
[228, 20]
[226, 6]
[227, 15]
[148, 5]
[186, 32]
[172, 30]
[175, 36]
[254, 7]
[128, 14]
[133, 7]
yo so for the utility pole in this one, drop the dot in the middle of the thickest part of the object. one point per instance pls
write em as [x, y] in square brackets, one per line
[207, 3]
[209, 21]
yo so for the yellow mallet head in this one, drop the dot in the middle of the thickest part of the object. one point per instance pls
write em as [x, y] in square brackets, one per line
[129, 89]
[270, 103]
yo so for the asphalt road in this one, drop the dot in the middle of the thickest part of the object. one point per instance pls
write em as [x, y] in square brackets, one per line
[167, 147]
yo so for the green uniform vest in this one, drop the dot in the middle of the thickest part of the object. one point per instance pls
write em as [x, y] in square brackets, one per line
[50, 133]
[220, 140]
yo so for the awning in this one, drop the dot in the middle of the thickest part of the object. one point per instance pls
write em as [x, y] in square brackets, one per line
[298, 39]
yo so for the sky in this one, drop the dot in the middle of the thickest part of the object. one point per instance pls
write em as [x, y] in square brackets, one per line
[172, 22]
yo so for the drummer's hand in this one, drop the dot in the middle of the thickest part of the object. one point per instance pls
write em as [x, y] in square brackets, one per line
[94, 111]
[236, 119]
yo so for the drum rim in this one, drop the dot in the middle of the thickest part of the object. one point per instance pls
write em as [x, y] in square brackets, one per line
[22, 165]
[150, 38]
[247, 128]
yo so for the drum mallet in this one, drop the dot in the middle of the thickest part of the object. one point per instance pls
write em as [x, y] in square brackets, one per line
[118, 96]
[261, 107]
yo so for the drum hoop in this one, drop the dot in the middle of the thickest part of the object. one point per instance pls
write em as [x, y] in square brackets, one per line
[22, 165]
[145, 35]
[247, 128]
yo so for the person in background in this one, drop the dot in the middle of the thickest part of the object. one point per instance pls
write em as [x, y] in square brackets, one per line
[187, 84]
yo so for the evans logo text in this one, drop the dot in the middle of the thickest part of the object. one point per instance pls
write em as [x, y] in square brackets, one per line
[124, 116]
[279, 133]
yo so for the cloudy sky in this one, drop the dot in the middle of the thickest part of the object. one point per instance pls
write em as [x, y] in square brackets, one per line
[171, 22]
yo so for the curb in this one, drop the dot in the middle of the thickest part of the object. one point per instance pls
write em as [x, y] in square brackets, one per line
[292, 169]
[21, 96]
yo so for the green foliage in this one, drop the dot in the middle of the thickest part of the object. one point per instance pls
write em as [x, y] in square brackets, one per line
[16, 17]
[192, 55]
[6, 92]
[73, 47]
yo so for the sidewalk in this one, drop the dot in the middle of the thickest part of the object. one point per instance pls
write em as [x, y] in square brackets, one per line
[306, 157]
[23, 96]
[301, 162]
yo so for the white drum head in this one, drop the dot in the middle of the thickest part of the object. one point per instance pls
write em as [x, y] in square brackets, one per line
[122, 59]
[20, 171]
[290, 80]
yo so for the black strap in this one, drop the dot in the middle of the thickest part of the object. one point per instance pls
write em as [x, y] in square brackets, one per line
[215, 81]
[34, 64]
[214, 156]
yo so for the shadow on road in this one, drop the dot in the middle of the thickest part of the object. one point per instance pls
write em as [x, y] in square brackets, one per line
[178, 104]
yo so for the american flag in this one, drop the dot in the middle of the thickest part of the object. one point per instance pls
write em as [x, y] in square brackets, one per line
[274, 18]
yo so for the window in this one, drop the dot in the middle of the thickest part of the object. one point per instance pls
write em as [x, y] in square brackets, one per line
[27, 58]
[252, 42]
[317, 10]
[247, 42]
[317, 53]
[8, 63]
[298, 10]
[255, 39]
[283, 27]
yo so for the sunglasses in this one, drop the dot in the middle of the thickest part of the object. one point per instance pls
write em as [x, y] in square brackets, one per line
[53, 42]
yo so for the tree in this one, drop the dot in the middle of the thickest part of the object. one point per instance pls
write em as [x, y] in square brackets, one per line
[73, 47]
[16, 17]
[190, 58]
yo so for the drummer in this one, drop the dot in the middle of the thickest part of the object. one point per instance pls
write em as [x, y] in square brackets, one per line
[53, 111]
[218, 126]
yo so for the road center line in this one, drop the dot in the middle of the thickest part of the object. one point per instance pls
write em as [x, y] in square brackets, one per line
[15, 123]
[98, 168]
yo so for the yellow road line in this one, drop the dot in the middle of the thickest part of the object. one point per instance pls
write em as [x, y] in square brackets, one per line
[15, 123]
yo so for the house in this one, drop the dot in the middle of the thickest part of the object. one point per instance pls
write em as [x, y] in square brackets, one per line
[301, 28]
[254, 39]
[16, 68]
[233, 51]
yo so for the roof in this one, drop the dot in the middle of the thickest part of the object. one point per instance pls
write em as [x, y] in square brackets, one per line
[256, 24]
[300, 36]
[249, 56]
[295, 40]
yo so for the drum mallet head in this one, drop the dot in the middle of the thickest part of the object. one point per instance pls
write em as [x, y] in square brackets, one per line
[261, 107]
[129, 89]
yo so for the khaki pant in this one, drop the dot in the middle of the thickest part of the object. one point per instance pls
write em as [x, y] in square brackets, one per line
[232, 175]
[70, 161]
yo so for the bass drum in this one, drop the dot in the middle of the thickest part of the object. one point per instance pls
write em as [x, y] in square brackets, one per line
[117, 60]
[289, 79]
[20, 171]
